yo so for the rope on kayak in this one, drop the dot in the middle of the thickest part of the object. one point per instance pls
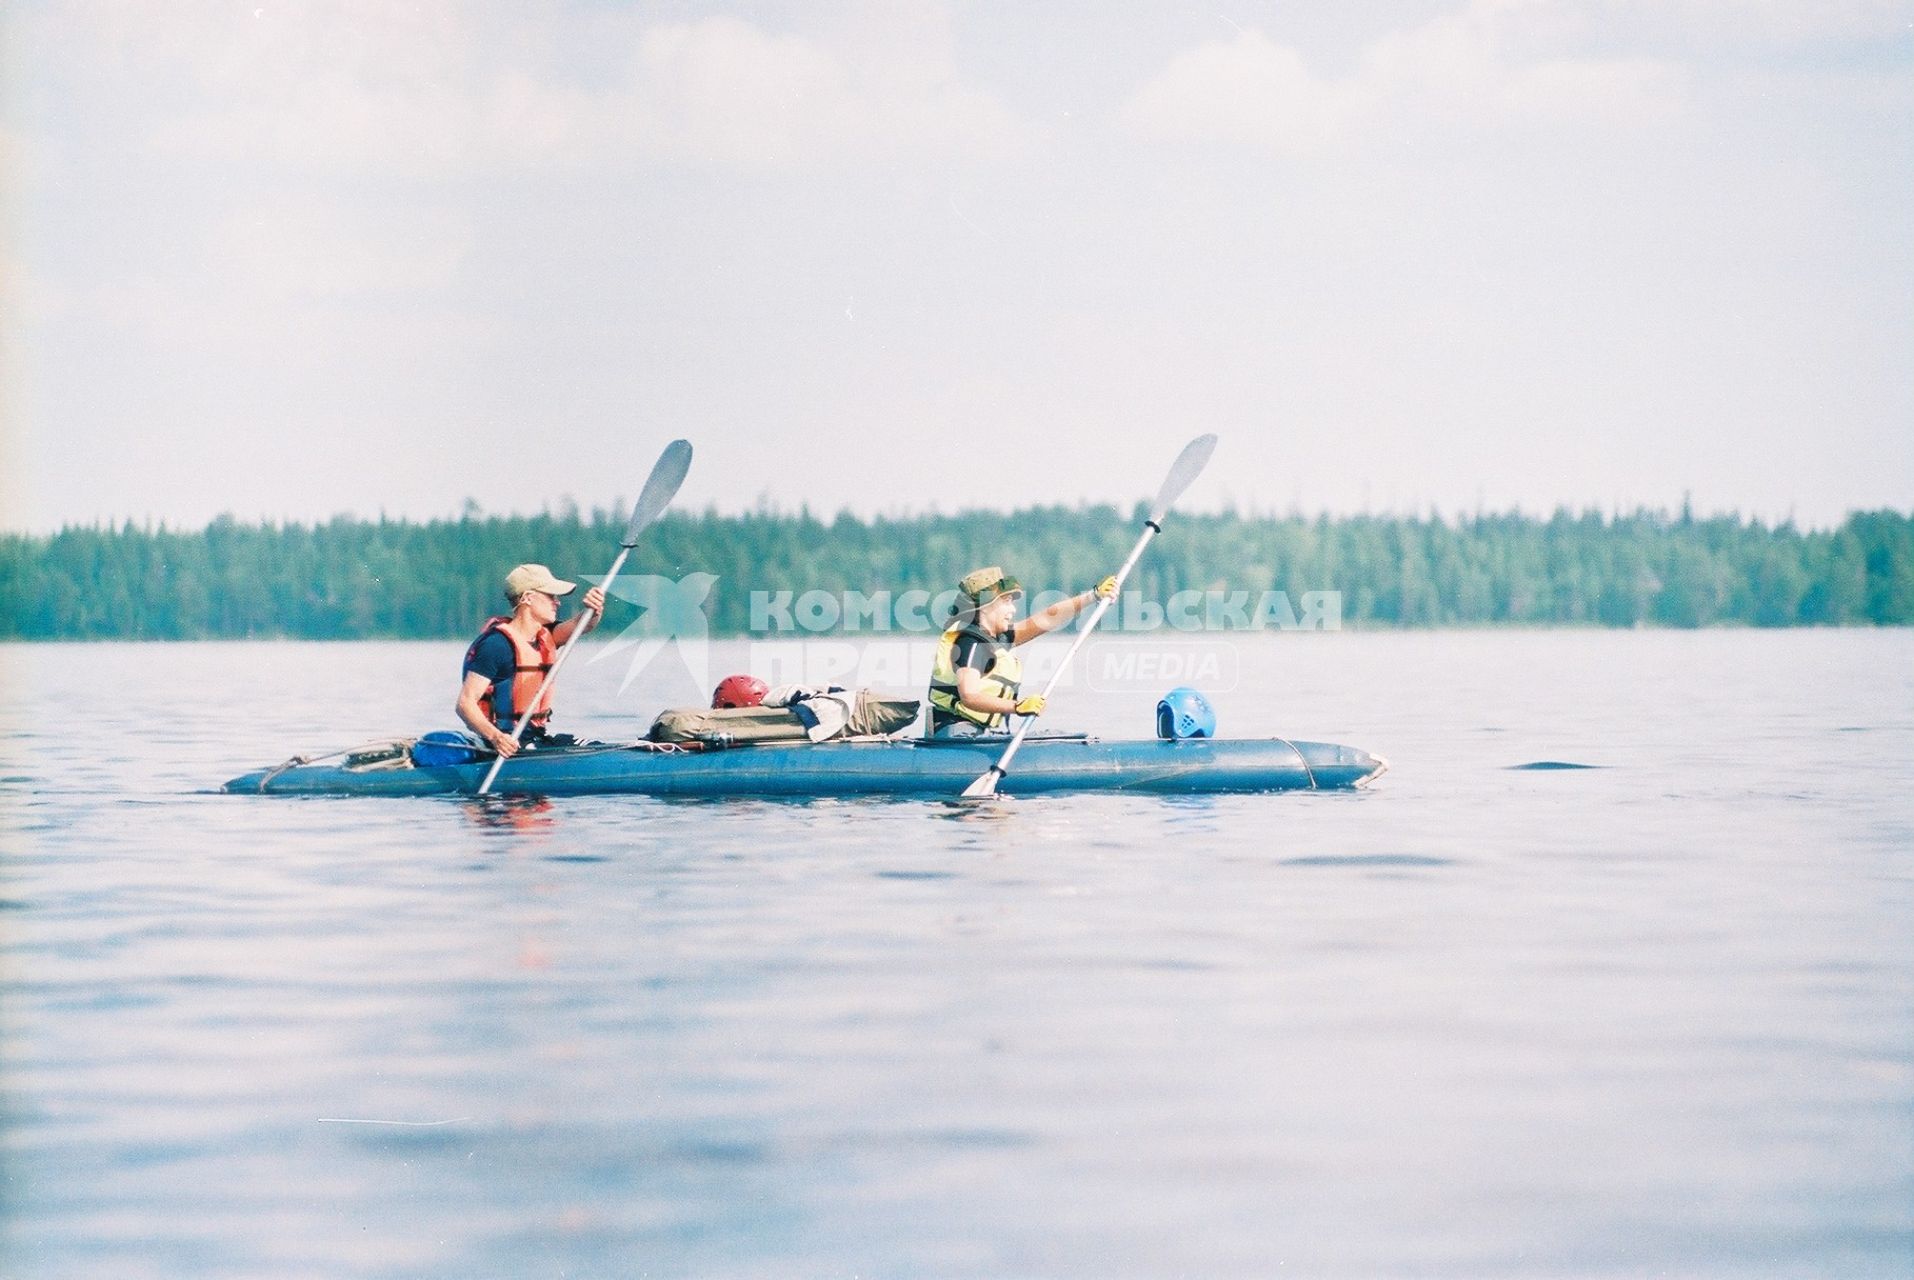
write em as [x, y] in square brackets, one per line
[292, 762]
[297, 761]
[578, 749]
[1302, 760]
[708, 742]
[600, 748]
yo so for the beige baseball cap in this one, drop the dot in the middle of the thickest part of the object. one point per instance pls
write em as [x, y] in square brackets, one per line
[536, 577]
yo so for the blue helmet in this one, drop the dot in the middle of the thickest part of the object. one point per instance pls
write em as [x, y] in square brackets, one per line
[1185, 713]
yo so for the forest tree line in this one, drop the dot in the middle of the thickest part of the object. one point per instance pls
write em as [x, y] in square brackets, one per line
[352, 578]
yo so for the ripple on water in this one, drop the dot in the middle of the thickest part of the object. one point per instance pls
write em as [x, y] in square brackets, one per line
[117, 1000]
[1367, 860]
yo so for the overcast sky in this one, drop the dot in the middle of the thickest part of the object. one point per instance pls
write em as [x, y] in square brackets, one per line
[296, 260]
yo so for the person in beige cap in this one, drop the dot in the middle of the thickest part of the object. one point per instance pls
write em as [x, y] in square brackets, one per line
[505, 666]
[975, 679]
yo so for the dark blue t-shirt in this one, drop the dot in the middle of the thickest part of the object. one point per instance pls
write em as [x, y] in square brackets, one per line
[496, 660]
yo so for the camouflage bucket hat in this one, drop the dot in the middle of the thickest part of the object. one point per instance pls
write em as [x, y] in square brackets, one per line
[981, 586]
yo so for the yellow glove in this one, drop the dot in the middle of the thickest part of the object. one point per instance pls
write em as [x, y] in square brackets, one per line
[1107, 589]
[1030, 706]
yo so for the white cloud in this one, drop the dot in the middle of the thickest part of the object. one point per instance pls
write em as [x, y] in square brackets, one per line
[724, 91]
[335, 251]
[1250, 89]
[432, 97]
[1485, 66]
[1772, 25]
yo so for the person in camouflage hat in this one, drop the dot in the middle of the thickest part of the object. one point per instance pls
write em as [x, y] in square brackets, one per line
[975, 679]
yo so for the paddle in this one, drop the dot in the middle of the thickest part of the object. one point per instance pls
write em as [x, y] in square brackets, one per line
[660, 488]
[1189, 464]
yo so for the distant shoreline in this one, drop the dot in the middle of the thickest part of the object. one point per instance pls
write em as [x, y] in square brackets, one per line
[736, 576]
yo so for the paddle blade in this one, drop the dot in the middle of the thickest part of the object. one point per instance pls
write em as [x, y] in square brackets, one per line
[1189, 465]
[985, 786]
[660, 489]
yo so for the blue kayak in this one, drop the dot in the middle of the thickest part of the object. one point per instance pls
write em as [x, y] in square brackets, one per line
[892, 767]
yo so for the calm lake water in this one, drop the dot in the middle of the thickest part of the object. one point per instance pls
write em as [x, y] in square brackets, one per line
[1651, 1018]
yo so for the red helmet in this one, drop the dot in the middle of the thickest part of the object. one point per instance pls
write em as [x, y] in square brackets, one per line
[739, 691]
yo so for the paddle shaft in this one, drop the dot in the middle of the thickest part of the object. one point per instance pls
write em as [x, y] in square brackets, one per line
[1096, 615]
[551, 677]
[661, 486]
[1188, 465]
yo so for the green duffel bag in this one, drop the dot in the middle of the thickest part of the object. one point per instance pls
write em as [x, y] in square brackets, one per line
[734, 724]
[883, 716]
[870, 715]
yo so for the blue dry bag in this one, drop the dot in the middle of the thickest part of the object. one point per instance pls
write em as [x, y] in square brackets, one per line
[444, 747]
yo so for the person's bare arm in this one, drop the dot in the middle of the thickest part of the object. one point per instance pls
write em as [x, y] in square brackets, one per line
[593, 609]
[474, 715]
[1057, 615]
[971, 693]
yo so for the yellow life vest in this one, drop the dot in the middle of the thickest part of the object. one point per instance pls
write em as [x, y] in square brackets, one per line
[1004, 677]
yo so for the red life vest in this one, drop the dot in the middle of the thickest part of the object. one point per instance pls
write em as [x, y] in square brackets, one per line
[531, 664]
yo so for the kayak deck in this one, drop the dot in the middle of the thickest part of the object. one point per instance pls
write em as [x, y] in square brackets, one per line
[906, 767]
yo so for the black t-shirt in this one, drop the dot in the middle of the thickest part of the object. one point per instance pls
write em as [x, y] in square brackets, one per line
[973, 651]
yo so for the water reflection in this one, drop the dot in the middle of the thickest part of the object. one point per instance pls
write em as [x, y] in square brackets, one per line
[517, 814]
[993, 809]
